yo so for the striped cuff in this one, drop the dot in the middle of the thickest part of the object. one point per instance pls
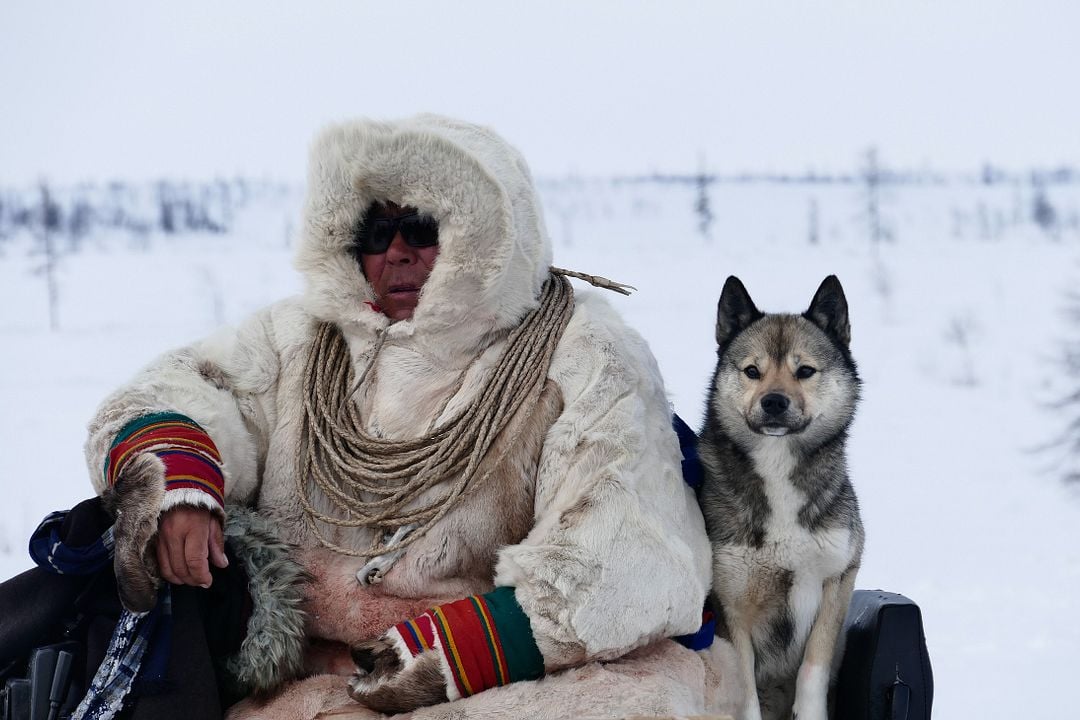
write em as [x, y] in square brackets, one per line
[192, 461]
[485, 641]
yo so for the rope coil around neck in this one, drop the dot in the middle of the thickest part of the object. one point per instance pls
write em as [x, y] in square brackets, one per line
[374, 482]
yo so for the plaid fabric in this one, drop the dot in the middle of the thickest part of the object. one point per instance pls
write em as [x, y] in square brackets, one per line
[190, 456]
[140, 644]
[135, 642]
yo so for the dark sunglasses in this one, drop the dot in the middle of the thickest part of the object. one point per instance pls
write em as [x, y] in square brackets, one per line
[418, 231]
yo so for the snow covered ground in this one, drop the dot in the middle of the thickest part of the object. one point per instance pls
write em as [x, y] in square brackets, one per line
[957, 328]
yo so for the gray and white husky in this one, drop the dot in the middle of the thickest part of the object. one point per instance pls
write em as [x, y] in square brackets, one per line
[779, 508]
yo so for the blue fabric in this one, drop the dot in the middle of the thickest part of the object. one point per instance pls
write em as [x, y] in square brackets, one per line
[693, 475]
[140, 645]
[50, 552]
[691, 463]
[703, 638]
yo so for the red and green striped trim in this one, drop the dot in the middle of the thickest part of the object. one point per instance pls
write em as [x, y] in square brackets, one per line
[486, 639]
[192, 461]
[417, 634]
[512, 627]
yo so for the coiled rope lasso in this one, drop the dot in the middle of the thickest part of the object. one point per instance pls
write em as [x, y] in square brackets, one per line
[373, 482]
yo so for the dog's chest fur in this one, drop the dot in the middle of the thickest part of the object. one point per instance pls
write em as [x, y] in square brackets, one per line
[775, 541]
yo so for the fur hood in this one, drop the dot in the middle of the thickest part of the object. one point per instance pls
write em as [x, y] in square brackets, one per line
[494, 251]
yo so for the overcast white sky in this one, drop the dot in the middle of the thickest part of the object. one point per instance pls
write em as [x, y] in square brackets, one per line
[93, 90]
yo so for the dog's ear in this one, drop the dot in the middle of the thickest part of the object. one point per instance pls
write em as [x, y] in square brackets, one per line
[734, 312]
[829, 311]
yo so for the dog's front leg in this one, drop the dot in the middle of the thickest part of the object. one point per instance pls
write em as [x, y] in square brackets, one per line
[812, 683]
[744, 652]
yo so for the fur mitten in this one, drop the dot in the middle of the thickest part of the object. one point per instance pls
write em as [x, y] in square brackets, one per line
[135, 502]
[452, 651]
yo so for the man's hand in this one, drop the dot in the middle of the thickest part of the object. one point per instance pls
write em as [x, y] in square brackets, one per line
[189, 537]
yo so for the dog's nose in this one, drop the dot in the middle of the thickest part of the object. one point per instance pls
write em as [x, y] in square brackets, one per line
[774, 404]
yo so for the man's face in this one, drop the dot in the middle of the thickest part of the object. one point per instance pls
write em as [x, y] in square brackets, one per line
[398, 274]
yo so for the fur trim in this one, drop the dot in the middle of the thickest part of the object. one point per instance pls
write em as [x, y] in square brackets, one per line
[273, 650]
[494, 252]
[191, 497]
[135, 502]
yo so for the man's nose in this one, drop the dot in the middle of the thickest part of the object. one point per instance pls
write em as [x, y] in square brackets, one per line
[400, 252]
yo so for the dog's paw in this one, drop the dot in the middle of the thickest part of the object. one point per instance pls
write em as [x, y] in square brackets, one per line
[809, 713]
[388, 684]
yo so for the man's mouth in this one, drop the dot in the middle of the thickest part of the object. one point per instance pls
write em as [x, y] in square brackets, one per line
[403, 289]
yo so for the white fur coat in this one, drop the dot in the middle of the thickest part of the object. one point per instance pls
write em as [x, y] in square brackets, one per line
[588, 519]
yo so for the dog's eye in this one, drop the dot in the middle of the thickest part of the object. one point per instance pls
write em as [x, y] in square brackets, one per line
[752, 372]
[804, 372]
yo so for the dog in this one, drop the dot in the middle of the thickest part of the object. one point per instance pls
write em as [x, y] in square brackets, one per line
[779, 508]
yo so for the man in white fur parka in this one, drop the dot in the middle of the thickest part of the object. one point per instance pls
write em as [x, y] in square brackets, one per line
[473, 466]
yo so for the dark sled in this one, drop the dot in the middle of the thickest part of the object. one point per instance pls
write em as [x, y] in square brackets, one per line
[885, 671]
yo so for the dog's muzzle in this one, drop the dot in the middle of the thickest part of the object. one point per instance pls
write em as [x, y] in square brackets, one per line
[774, 416]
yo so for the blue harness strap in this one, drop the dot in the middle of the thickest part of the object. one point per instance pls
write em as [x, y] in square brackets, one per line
[693, 475]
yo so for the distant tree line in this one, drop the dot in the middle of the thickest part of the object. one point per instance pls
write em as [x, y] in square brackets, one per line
[872, 181]
[59, 220]
[69, 215]
[1069, 405]
[989, 174]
